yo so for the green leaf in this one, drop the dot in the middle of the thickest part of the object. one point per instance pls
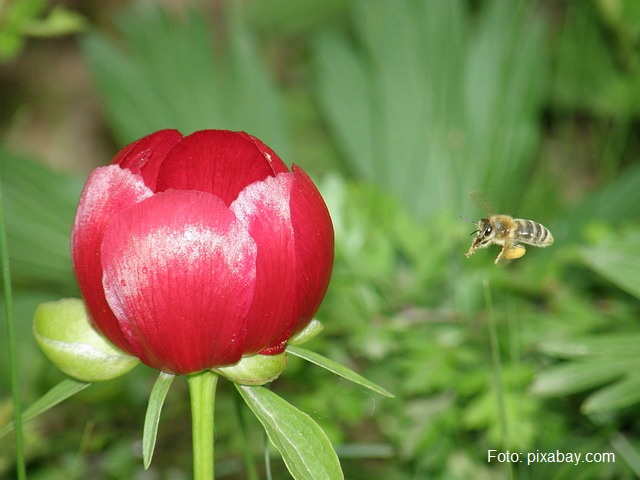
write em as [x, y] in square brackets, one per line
[57, 394]
[617, 258]
[152, 418]
[13, 17]
[451, 123]
[172, 74]
[304, 447]
[40, 205]
[616, 345]
[338, 369]
[60, 21]
[609, 359]
[579, 376]
[611, 203]
[620, 394]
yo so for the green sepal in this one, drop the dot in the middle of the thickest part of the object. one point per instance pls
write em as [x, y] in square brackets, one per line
[152, 417]
[307, 333]
[66, 337]
[255, 370]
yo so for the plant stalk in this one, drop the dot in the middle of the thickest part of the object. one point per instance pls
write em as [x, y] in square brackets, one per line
[21, 472]
[247, 453]
[202, 389]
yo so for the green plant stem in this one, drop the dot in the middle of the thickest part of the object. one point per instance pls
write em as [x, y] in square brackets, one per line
[202, 389]
[11, 340]
[267, 458]
[247, 453]
[497, 371]
[497, 363]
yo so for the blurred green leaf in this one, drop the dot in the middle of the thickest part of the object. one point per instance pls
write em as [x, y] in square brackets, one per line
[584, 65]
[483, 413]
[614, 345]
[293, 16]
[304, 447]
[40, 206]
[621, 394]
[612, 203]
[617, 258]
[20, 19]
[17, 13]
[167, 72]
[60, 21]
[13, 17]
[588, 74]
[11, 38]
[602, 359]
[428, 111]
[576, 377]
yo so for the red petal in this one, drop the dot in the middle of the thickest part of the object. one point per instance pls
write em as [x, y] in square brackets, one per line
[290, 223]
[108, 191]
[179, 273]
[219, 162]
[145, 156]
[314, 240]
[263, 208]
[277, 165]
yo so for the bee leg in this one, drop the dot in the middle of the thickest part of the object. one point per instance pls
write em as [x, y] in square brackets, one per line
[500, 255]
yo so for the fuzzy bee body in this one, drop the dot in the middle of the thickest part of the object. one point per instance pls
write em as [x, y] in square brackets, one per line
[511, 233]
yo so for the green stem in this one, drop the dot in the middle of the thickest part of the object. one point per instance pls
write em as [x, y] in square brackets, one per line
[11, 340]
[497, 372]
[202, 388]
[249, 464]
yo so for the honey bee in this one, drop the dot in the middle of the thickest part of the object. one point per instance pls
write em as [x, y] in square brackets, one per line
[511, 233]
[507, 231]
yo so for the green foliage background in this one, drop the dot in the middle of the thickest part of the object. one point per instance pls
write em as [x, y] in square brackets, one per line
[398, 109]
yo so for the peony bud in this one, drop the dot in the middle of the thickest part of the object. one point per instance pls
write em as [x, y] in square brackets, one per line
[63, 331]
[195, 252]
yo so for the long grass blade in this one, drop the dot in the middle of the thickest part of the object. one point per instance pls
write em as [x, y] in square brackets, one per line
[11, 340]
[497, 371]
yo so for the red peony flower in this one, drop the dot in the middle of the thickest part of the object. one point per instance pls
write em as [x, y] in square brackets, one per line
[191, 252]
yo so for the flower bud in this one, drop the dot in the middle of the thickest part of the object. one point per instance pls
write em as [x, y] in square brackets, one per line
[197, 252]
[65, 335]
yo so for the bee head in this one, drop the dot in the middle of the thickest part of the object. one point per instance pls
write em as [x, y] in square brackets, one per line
[484, 234]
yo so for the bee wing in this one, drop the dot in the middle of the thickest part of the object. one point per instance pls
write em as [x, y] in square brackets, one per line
[478, 198]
